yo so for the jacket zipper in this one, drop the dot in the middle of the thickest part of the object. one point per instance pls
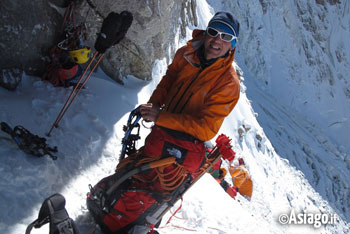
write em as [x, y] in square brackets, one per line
[172, 99]
[183, 107]
[195, 78]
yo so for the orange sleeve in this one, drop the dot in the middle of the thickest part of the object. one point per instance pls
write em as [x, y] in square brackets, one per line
[159, 94]
[205, 124]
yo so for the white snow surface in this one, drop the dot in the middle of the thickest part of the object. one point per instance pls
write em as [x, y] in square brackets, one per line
[293, 164]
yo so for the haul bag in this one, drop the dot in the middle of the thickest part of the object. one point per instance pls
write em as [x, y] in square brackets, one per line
[125, 208]
[162, 142]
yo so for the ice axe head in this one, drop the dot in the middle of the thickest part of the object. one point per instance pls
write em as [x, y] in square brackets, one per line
[113, 30]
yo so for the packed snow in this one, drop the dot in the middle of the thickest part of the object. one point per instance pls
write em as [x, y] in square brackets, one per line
[89, 143]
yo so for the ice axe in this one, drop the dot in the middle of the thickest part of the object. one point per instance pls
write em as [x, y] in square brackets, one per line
[113, 30]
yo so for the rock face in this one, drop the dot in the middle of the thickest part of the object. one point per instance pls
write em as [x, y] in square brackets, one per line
[30, 29]
[10, 78]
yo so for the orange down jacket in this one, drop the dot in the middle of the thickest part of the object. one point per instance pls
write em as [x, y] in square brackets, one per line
[196, 101]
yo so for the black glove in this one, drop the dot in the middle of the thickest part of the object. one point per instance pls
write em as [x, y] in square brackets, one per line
[113, 30]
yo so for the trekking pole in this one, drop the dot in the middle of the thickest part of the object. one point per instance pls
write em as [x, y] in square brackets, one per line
[114, 28]
[81, 86]
[55, 124]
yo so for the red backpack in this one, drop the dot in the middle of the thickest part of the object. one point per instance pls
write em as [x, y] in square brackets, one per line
[149, 181]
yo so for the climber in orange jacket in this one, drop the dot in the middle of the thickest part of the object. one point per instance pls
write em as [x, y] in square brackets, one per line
[241, 179]
[201, 86]
[199, 89]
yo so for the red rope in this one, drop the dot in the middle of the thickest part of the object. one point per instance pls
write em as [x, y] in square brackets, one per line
[65, 18]
[175, 211]
[184, 228]
[70, 10]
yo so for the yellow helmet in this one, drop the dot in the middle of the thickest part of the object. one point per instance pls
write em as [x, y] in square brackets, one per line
[80, 56]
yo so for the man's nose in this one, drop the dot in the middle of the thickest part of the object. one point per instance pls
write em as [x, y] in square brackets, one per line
[217, 38]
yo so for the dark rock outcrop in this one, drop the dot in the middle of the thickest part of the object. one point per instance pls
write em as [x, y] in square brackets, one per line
[30, 29]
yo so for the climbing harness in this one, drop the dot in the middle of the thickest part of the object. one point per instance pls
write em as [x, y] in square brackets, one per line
[28, 142]
[74, 43]
[75, 35]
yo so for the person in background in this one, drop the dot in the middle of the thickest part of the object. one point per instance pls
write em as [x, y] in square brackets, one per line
[241, 179]
[219, 175]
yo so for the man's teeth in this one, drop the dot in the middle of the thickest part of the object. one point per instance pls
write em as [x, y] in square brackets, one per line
[214, 47]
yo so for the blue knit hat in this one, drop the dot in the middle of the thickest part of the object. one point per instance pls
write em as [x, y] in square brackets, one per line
[227, 23]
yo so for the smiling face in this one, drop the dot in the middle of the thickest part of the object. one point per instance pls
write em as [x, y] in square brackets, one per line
[214, 47]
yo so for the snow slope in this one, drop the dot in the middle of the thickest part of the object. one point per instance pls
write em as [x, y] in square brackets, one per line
[297, 51]
[296, 63]
[88, 140]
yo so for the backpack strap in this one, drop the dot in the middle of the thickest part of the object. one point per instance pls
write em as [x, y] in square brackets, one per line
[53, 210]
[30, 226]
